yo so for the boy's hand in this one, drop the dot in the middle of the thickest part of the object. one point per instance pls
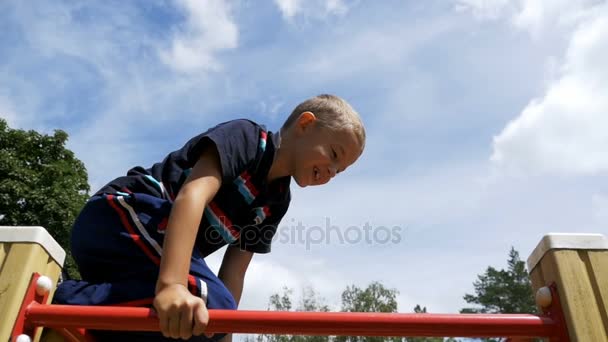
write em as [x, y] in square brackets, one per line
[180, 313]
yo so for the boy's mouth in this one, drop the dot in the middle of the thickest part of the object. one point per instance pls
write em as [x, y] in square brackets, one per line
[316, 175]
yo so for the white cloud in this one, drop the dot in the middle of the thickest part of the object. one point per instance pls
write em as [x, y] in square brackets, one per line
[539, 16]
[562, 131]
[599, 204]
[452, 214]
[209, 29]
[313, 9]
[566, 130]
[379, 48]
[336, 7]
[268, 275]
[534, 16]
[271, 107]
[126, 81]
[483, 9]
[448, 212]
[288, 8]
[7, 112]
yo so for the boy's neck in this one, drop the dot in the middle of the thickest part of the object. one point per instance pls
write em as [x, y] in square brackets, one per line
[278, 169]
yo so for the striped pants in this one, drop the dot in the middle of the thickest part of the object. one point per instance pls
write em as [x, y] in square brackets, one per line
[117, 245]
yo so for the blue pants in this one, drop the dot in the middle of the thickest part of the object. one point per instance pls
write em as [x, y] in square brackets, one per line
[117, 244]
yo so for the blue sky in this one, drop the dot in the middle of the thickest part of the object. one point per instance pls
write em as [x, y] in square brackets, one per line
[486, 119]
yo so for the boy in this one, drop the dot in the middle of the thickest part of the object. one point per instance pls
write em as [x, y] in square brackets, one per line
[142, 238]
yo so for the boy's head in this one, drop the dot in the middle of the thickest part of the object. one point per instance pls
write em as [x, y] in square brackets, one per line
[323, 135]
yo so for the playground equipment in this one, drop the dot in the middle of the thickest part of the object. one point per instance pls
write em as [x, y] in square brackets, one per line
[568, 271]
[23, 251]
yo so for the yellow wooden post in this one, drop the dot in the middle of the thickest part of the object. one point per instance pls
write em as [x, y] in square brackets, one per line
[23, 251]
[578, 265]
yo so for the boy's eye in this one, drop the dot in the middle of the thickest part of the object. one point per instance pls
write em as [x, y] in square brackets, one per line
[334, 153]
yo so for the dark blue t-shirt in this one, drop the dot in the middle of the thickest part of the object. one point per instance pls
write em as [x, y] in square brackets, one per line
[246, 210]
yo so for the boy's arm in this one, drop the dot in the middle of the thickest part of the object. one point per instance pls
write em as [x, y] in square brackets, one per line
[232, 274]
[177, 308]
[232, 271]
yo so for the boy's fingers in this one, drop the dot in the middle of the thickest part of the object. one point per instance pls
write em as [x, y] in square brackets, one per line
[174, 325]
[162, 318]
[201, 319]
[163, 323]
[185, 326]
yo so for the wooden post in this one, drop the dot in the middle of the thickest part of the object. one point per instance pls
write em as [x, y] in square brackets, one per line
[578, 265]
[23, 251]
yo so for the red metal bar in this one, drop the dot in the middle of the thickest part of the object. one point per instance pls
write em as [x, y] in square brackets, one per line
[21, 325]
[74, 334]
[303, 323]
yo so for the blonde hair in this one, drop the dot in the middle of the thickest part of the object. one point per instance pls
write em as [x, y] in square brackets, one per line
[332, 112]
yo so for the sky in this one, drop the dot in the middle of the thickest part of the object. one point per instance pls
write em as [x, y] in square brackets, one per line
[487, 120]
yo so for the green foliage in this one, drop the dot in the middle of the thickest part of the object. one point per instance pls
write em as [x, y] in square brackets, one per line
[503, 291]
[281, 302]
[310, 301]
[422, 310]
[496, 291]
[418, 309]
[42, 183]
[374, 298]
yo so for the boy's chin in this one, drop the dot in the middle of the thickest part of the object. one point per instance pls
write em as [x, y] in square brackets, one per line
[302, 183]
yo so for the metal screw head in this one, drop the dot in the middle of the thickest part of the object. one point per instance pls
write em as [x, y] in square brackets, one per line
[23, 338]
[543, 297]
[43, 285]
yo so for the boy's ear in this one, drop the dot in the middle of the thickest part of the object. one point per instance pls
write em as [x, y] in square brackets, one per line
[306, 120]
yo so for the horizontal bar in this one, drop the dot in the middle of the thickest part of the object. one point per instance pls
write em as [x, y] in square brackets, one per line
[302, 323]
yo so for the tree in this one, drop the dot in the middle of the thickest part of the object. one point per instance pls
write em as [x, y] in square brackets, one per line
[310, 301]
[281, 302]
[377, 298]
[503, 291]
[422, 310]
[374, 298]
[42, 183]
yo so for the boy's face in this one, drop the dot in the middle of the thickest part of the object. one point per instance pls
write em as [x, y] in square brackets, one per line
[321, 153]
